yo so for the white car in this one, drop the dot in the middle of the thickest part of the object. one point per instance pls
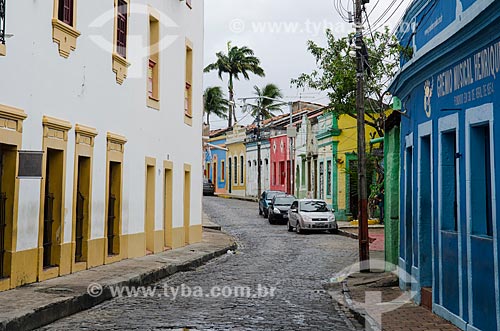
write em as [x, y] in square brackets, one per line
[311, 214]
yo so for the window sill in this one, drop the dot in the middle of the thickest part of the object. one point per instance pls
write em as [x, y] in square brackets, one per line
[3, 50]
[153, 103]
[188, 119]
[65, 36]
[120, 67]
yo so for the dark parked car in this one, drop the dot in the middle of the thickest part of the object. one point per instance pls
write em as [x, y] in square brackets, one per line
[208, 187]
[265, 199]
[278, 208]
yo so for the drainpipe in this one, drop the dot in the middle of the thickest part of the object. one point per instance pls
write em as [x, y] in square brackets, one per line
[377, 140]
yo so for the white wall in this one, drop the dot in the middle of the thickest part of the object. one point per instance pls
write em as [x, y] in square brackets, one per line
[82, 89]
[252, 172]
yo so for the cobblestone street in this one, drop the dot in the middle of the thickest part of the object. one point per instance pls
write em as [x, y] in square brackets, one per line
[296, 265]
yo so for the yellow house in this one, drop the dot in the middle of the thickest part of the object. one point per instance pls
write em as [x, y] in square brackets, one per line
[235, 161]
[346, 157]
[337, 162]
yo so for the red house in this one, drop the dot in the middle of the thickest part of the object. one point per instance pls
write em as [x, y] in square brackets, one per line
[280, 164]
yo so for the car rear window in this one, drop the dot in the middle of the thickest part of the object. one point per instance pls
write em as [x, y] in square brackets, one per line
[284, 201]
[271, 195]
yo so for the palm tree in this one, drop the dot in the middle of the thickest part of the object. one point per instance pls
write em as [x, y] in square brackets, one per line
[266, 106]
[238, 61]
[215, 102]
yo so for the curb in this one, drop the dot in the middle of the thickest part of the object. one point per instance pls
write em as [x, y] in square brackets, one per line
[214, 226]
[352, 235]
[360, 315]
[225, 196]
[83, 301]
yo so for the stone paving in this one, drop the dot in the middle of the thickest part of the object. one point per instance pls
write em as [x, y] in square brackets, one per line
[37, 304]
[393, 311]
[297, 266]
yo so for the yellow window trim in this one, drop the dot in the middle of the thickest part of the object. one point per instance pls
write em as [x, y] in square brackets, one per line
[120, 64]
[188, 93]
[85, 131]
[55, 128]
[12, 118]
[188, 119]
[154, 55]
[63, 34]
[116, 138]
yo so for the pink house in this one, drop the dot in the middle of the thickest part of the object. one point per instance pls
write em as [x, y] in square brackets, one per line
[280, 165]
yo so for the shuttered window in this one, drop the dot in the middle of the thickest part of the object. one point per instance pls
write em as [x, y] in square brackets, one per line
[65, 11]
[121, 28]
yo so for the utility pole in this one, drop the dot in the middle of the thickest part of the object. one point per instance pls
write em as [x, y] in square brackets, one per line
[290, 152]
[364, 254]
[259, 167]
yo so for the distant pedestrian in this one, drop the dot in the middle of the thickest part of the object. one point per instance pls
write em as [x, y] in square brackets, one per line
[380, 202]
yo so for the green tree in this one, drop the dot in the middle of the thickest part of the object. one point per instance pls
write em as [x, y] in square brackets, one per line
[336, 74]
[215, 102]
[267, 107]
[238, 61]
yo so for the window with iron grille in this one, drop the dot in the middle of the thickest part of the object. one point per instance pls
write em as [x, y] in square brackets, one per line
[65, 11]
[242, 165]
[2, 21]
[235, 160]
[121, 28]
[222, 170]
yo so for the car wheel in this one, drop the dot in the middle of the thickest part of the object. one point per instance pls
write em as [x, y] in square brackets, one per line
[266, 213]
[270, 218]
[290, 228]
[298, 229]
[260, 211]
[333, 231]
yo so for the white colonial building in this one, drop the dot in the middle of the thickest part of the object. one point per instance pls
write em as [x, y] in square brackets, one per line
[252, 166]
[101, 106]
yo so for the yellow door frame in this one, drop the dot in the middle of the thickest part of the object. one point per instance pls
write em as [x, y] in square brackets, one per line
[114, 153]
[84, 146]
[11, 128]
[187, 201]
[55, 137]
[168, 170]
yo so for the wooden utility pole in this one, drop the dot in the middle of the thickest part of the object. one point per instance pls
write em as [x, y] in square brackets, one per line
[364, 254]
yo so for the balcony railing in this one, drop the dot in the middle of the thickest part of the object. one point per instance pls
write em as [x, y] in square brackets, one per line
[2, 21]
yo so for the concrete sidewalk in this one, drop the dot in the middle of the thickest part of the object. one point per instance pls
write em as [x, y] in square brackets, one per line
[388, 308]
[38, 304]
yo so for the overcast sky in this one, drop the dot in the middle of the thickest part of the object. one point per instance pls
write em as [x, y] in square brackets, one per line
[278, 32]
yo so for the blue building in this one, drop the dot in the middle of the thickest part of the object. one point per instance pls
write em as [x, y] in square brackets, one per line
[450, 140]
[215, 167]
